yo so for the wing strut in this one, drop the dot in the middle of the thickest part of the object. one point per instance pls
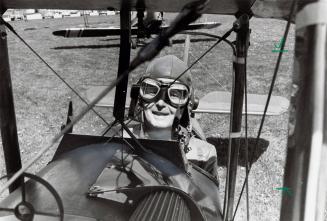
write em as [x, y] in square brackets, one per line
[124, 59]
[242, 44]
[8, 125]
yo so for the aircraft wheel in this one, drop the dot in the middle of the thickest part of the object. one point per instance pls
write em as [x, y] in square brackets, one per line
[25, 211]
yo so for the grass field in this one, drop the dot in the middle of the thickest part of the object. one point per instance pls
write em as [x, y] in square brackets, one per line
[41, 99]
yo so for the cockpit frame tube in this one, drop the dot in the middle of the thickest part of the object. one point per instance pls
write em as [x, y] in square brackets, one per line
[242, 44]
[124, 59]
[8, 125]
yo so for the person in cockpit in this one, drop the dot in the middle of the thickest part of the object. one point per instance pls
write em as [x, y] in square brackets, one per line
[165, 105]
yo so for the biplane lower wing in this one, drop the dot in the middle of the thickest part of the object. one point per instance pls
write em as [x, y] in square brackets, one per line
[106, 101]
[215, 102]
[261, 8]
[220, 102]
[115, 31]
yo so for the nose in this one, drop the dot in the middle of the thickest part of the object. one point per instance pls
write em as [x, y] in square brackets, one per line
[161, 104]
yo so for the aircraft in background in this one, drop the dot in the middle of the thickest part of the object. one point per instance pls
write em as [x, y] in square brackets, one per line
[143, 25]
[101, 178]
[115, 31]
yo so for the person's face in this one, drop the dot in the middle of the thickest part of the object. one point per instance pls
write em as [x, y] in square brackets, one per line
[159, 114]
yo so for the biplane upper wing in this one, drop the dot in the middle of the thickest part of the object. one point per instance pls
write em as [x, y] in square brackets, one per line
[261, 8]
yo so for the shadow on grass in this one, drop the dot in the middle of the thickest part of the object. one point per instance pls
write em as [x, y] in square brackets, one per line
[221, 145]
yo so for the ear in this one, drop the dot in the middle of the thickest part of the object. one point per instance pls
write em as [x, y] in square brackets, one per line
[195, 103]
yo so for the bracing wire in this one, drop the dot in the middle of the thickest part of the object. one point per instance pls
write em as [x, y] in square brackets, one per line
[196, 61]
[127, 123]
[213, 77]
[76, 91]
[205, 53]
[248, 164]
[211, 36]
[246, 150]
[53, 71]
[268, 100]
[66, 129]
[85, 111]
[86, 22]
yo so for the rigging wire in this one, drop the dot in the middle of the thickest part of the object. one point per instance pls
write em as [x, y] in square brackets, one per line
[86, 22]
[115, 132]
[85, 111]
[223, 38]
[141, 109]
[268, 99]
[211, 36]
[90, 106]
[205, 53]
[213, 77]
[246, 150]
[53, 71]
[66, 128]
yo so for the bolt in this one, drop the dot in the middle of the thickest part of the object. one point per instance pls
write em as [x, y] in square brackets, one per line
[3, 34]
[24, 210]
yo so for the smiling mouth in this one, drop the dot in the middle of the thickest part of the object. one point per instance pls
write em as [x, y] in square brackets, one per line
[158, 113]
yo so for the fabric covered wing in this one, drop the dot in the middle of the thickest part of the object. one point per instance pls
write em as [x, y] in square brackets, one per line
[261, 8]
[220, 102]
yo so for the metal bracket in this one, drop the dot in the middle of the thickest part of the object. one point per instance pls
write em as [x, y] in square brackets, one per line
[235, 135]
[239, 60]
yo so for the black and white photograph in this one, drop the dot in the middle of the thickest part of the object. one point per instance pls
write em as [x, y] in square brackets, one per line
[174, 110]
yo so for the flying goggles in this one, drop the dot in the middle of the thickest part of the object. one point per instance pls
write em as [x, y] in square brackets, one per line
[152, 90]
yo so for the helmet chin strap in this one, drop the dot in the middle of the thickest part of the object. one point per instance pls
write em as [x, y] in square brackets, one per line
[182, 128]
[182, 119]
[176, 124]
